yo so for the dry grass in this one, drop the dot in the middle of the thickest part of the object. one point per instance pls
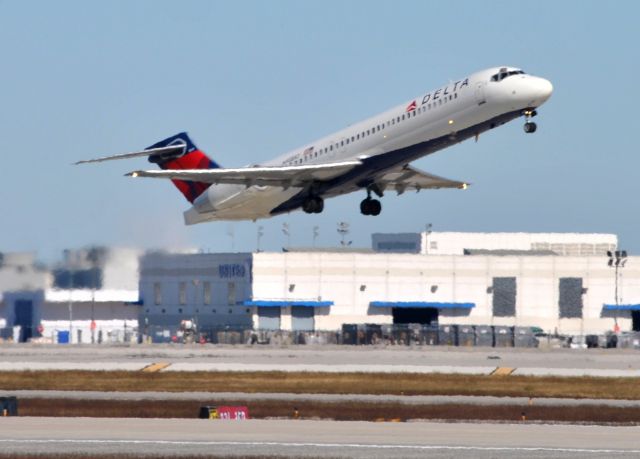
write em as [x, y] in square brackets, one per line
[121, 456]
[348, 411]
[326, 383]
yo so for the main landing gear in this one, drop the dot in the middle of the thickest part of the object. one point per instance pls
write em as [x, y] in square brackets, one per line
[530, 127]
[313, 205]
[370, 206]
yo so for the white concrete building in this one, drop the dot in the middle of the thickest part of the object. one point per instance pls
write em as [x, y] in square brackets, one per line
[323, 290]
[91, 296]
[72, 316]
[457, 243]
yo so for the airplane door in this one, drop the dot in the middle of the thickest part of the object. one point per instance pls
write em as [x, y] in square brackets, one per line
[480, 97]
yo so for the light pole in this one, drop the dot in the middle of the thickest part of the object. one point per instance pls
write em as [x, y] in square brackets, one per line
[286, 232]
[343, 230]
[232, 235]
[196, 283]
[70, 304]
[617, 260]
[427, 233]
[93, 257]
[259, 235]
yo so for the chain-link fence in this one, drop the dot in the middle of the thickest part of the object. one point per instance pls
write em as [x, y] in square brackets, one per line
[348, 335]
[71, 335]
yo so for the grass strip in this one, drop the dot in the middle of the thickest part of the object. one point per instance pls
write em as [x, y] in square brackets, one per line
[325, 383]
[344, 411]
[128, 456]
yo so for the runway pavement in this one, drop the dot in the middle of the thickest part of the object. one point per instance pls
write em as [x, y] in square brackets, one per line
[335, 398]
[314, 438]
[424, 359]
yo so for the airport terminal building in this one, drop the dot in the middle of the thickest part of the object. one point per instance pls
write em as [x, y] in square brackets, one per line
[91, 296]
[563, 283]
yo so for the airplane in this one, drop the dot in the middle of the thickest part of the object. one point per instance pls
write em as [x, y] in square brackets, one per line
[372, 155]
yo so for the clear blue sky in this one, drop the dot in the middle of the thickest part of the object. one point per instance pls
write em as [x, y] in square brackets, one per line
[251, 79]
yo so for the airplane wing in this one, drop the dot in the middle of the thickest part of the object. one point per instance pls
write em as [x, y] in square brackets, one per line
[284, 176]
[410, 178]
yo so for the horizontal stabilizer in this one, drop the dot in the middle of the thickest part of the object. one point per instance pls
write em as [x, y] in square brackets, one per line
[285, 176]
[170, 150]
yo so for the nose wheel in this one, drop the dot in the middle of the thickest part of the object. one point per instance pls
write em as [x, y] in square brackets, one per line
[313, 205]
[529, 126]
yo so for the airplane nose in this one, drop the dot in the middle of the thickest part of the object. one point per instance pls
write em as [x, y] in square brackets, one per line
[543, 89]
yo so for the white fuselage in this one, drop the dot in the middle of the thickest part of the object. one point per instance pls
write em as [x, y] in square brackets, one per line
[447, 110]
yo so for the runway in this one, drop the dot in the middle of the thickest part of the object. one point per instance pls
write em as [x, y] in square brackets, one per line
[314, 438]
[330, 358]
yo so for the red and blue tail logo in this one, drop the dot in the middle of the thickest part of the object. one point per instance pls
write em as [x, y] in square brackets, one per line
[190, 158]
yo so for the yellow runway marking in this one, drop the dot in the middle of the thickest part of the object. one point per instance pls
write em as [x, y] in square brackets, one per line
[502, 371]
[155, 367]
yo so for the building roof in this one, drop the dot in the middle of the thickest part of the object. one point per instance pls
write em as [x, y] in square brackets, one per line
[87, 295]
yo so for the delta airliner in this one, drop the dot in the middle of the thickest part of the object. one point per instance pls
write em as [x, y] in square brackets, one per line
[372, 155]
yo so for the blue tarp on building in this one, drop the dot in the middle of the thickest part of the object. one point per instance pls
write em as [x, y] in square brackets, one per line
[621, 307]
[280, 303]
[421, 304]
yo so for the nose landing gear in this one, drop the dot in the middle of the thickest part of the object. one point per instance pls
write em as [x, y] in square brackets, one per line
[530, 127]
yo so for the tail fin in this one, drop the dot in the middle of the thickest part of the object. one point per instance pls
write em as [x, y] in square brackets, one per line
[189, 158]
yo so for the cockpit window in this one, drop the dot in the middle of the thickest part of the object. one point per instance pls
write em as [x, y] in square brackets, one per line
[504, 74]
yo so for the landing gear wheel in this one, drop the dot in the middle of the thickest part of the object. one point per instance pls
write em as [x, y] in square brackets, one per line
[376, 207]
[530, 127]
[319, 205]
[370, 207]
[313, 205]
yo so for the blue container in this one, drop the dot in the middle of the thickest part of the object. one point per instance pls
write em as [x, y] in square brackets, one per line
[63, 337]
